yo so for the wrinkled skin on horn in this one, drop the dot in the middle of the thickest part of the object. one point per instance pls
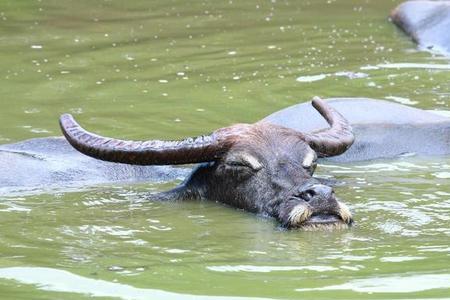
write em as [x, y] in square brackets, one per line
[261, 168]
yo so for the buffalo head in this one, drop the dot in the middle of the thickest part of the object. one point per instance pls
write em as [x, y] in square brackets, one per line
[262, 167]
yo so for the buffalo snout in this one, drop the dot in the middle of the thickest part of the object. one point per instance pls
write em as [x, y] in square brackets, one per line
[314, 206]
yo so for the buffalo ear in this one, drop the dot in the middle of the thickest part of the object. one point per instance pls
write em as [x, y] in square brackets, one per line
[334, 140]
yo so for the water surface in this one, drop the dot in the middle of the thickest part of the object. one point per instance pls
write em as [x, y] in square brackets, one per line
[168, 69]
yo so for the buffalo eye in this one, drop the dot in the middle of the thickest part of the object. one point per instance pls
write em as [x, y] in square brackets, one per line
[242, 162]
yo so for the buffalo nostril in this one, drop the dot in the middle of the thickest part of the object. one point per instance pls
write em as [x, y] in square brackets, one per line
[323, 191]
[316, 191]
[308, 195]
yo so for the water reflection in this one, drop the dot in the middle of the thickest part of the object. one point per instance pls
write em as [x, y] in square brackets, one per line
[391, 284]
[62, 281]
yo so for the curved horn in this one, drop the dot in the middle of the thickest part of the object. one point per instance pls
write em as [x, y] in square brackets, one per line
[153, 152]
[334, 140]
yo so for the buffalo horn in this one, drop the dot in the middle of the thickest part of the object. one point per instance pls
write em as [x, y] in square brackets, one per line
[152, 152]
[334, 140]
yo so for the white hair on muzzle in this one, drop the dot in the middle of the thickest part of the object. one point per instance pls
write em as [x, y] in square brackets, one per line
[344, 213]
[299, 214]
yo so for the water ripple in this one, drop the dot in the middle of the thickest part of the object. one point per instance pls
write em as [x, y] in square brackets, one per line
[55, 280]
[391, 284]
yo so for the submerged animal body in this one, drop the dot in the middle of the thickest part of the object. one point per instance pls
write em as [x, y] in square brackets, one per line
[39, 164]
[382, 129]
[265, 167]
[427, 22]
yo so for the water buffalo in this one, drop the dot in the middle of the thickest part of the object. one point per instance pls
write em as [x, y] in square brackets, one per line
[262, 168]
[265, 167]
[427, 22]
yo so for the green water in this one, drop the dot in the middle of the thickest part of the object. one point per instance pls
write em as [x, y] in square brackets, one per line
[167, 69]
